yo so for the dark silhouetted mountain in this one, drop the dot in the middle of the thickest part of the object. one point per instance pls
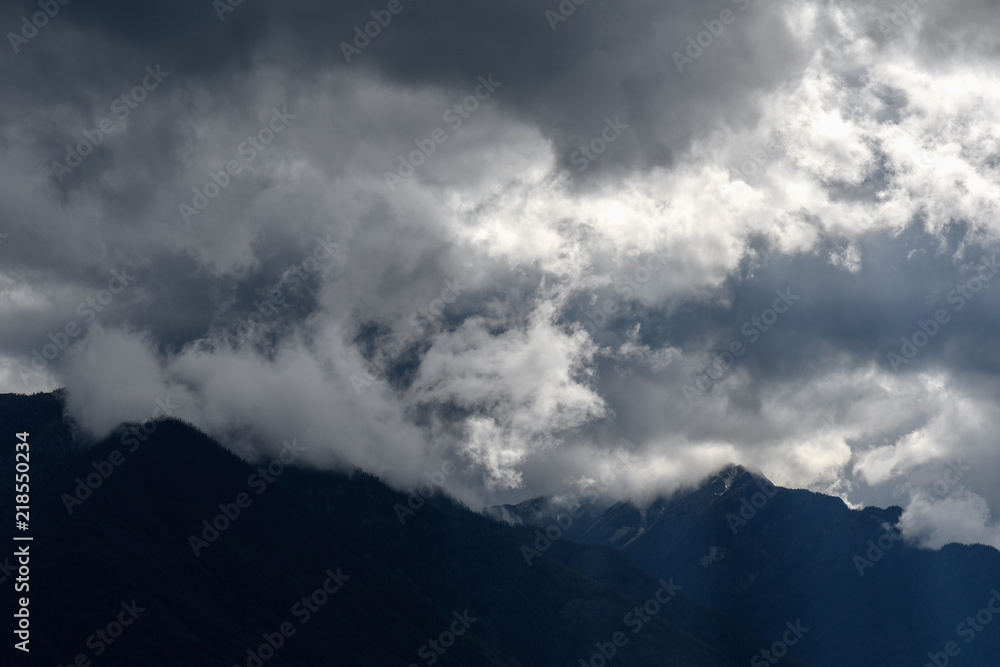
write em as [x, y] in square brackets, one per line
[768, 555]
[126, 551]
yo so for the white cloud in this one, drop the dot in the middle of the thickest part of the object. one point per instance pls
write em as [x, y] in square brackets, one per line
[962, 517]
[875, 134]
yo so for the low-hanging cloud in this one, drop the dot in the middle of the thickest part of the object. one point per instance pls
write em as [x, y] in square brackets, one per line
[490, 309]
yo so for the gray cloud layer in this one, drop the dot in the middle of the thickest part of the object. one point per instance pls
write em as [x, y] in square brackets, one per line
[560, 256]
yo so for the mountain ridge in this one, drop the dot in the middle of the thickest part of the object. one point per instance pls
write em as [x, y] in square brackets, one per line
[768, 555]
[178, 531]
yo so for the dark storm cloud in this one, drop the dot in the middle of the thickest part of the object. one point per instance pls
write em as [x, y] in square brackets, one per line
[839, 320]
[516, 374]
[902, 280]
[560, 80]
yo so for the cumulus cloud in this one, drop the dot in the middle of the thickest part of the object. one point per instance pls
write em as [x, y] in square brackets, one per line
[521, 294]
[964, 517]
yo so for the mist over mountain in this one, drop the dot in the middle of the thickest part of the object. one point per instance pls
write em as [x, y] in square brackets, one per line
[500, 332]
[217, 555]
[520, 237]
[766, 555]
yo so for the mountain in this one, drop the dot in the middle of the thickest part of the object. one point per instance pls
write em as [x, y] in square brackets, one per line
[163, 548]
[768, 556]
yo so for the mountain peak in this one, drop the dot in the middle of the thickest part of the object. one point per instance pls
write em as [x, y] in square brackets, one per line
[727, 475]
[732, 468]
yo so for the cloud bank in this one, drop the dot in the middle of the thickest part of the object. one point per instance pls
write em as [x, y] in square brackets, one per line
[406, 233]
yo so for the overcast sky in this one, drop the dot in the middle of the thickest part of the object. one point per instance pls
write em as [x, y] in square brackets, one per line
[514, 235]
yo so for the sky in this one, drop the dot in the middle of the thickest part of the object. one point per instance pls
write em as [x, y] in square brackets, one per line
[525, 238]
